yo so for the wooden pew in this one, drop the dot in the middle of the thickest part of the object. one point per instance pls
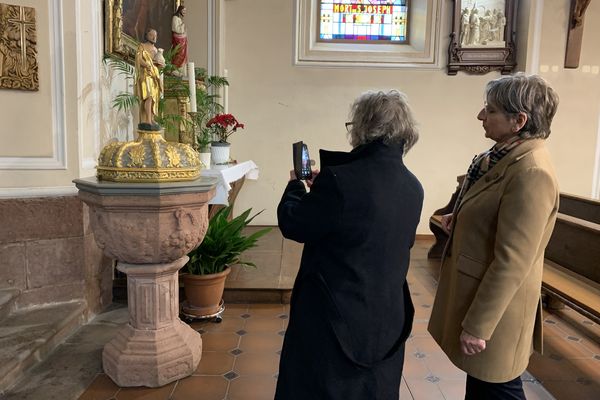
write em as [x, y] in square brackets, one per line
[572, 265]
[435, 223]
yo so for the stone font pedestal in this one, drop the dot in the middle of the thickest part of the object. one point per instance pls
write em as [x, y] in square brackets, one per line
[155, 347]
[149, 228]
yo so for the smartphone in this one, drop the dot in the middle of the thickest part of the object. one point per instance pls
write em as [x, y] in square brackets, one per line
[301, 161]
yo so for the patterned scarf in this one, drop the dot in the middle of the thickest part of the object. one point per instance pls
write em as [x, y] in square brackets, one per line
[485, 161]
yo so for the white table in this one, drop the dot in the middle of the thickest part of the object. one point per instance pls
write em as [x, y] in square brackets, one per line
[227, 175]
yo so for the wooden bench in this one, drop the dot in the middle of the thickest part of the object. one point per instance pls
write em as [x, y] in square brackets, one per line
[572, 267]
[435, 223]
[580, 293]
[572, 264]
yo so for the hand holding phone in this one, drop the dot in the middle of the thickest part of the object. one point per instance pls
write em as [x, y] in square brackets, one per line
[301, 161]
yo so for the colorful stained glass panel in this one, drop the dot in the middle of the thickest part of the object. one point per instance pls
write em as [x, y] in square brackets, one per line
[375, 21]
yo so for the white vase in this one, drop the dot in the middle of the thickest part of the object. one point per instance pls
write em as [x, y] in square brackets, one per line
[220, 153]
[205, 160]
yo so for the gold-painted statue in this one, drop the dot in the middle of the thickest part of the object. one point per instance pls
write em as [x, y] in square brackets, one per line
[148, 85]
[150, 158]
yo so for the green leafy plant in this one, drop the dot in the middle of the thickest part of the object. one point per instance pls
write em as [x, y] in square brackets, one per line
[124, 101]
[207, 103]
[223, 243]
[203, 138]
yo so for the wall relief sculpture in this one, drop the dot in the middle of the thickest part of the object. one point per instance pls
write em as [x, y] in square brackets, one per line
[483, 36]
[18, 48]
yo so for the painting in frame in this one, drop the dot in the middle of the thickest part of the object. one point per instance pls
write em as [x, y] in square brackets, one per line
[126, 22]
[483, 36]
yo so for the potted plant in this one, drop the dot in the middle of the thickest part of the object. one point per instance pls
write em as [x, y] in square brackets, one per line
[203, 144]
[207, 101]
[222, 126]
[210, 262]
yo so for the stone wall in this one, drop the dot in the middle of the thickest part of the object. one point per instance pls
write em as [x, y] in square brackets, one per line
[48, 252]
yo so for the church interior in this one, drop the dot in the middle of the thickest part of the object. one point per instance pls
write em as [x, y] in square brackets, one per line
[67, 286]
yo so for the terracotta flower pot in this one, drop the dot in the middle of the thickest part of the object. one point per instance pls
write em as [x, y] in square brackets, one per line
[203, 292]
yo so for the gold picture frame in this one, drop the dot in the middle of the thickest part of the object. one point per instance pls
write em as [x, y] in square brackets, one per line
[127, 20]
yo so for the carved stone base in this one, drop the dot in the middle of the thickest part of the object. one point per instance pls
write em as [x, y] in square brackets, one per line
[138, 357]
[149, 228]
[155, 348]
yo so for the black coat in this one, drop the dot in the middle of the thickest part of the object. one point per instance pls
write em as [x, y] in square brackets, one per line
[350, 310]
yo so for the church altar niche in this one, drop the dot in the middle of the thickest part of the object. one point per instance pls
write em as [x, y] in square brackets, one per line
[18, 51]
[483, 36]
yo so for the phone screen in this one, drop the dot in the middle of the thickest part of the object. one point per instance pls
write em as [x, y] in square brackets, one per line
[306, 172]
[301, 161]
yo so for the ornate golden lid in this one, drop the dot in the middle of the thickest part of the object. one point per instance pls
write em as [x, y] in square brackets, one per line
[149, 159]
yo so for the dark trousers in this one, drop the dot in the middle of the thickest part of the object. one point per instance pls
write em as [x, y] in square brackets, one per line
[480, 390]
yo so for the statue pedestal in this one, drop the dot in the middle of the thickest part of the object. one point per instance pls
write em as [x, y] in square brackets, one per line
[149, 228]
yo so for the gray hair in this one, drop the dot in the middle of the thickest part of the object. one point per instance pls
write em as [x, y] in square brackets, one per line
[529, 94]
[379, 115]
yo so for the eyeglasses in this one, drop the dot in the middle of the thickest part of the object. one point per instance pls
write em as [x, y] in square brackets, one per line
[348, 125]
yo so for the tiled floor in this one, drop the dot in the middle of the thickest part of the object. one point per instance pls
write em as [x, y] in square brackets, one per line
[240, 355]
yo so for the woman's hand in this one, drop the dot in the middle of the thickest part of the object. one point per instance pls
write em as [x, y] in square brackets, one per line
[309, 182]
[292, 175]
[471, 345]
[447, 222]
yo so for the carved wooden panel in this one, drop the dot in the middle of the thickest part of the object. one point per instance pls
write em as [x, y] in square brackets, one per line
[18, 48]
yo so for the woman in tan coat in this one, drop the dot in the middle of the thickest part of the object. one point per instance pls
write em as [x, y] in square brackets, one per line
[487, 310]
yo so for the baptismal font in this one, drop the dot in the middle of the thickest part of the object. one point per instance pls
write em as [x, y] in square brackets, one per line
[148, 208]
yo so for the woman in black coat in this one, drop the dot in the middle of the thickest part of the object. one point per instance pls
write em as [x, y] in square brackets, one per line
[351, 310]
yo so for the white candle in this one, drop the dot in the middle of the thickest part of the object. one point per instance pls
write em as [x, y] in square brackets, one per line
[192, 82]
[225, 94]
[162, 85]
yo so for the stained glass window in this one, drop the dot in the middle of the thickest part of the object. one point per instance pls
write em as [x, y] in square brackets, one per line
[370, 21]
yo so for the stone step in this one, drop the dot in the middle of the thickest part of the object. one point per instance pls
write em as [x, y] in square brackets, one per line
[27, 337]
[7, 301]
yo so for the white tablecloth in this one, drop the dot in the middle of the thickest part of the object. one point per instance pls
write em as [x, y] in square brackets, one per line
[227, 174]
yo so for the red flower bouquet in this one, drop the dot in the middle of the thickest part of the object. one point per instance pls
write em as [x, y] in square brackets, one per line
[223, 126]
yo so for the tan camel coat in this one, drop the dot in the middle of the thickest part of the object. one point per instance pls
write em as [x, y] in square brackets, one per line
[491, 274]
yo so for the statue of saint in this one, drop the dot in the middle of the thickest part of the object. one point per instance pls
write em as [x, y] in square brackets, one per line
[464, 27]
[179, 37]
[148, 85]
[474, 27]
[500, 24]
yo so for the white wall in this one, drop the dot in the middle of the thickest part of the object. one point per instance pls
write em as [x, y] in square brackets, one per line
[50, 137]
[574, 137]
[281, 103]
